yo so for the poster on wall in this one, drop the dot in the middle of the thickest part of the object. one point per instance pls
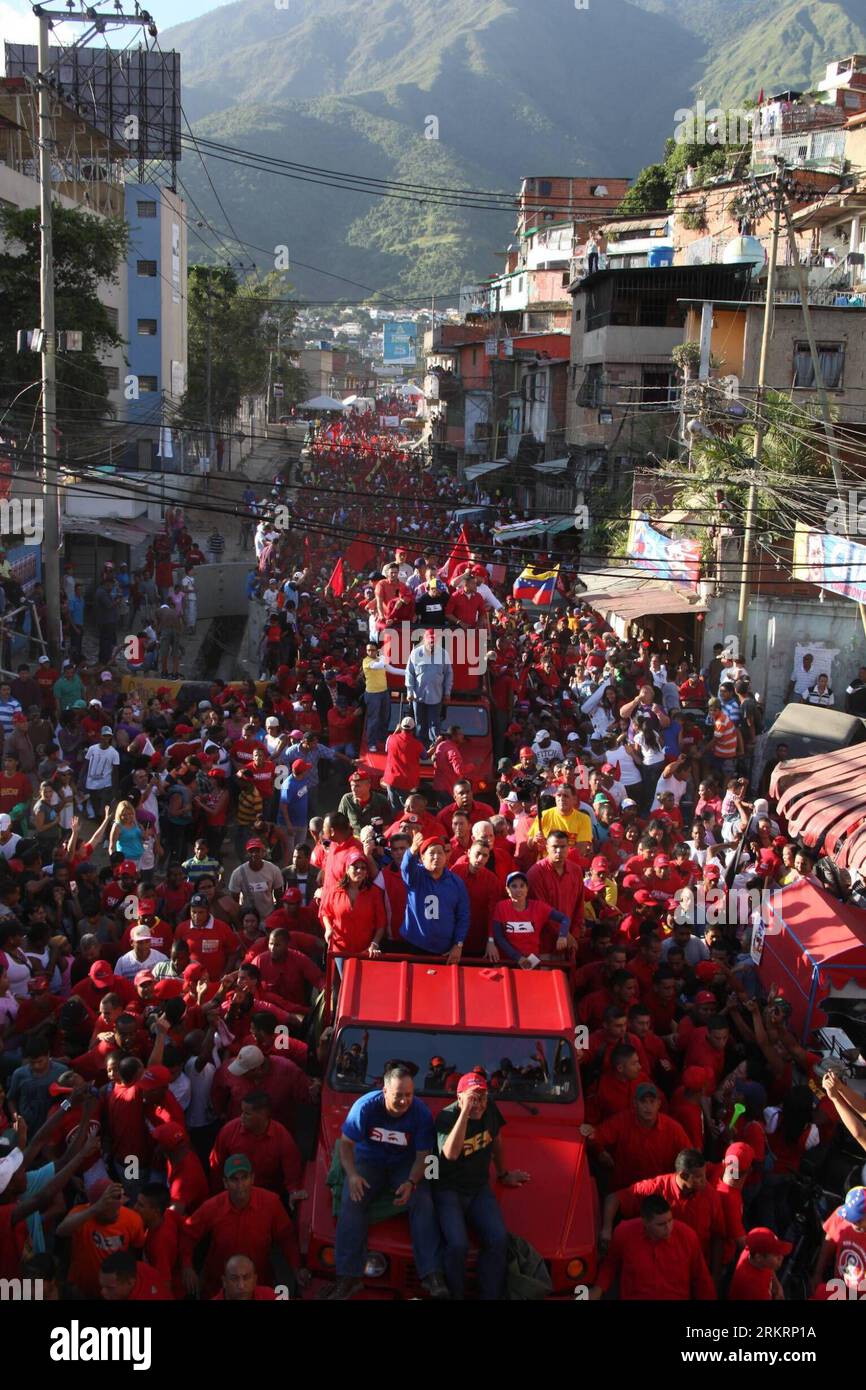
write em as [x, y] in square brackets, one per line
[665, 557]
[832, 562]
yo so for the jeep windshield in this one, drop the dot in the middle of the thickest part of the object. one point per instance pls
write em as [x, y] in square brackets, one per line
[472, 719]
[518, 1068]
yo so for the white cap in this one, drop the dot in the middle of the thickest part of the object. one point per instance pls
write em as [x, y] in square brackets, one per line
[44, 661]
[106, 676]
[96, 702]
[140, 934]
[5, 822]
[542, 733]
[272, 721]
[626, 801]
[249, 1058]
[573, 738]
[513, 798]
[407, 723]
[106, 729]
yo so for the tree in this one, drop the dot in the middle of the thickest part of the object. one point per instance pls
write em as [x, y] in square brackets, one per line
[87, 252]
[651, 191]
[236, 323]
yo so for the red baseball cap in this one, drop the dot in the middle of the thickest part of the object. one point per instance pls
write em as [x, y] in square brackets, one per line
[616, 831]
[170, 1135]
[431, 841]
[704, 996]
[300, 768]
[763, 1241]
[101, 974]
[643, 899]
[712, 871]
[706, 970]
[128, 869]
[661, 861]
[155, 1077]
[527, 752]
[255, 843]
[471, 1080]
[741, 1154]
[142, 976]
[359, 775]
[293, 895]
[599, 864]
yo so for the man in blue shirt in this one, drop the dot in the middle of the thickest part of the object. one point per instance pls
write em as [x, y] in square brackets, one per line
[386, 1139]
[437, 906]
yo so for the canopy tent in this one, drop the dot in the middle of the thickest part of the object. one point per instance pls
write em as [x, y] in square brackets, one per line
[823, 798]
[551, 466]
[810, 946]
[410, 389]
[322, 403]
[359, 403]
[540, 526]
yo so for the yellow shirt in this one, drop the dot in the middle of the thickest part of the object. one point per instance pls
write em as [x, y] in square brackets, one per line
[377, 681]
[577, 825]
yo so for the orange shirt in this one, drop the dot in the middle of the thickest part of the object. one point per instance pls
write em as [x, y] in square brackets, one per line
[94, 1242]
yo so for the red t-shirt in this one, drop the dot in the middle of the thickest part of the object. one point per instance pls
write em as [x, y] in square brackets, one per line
[210, 946]
[749, 1284]
[672, 1269]
[849, 1248]
[522, 927]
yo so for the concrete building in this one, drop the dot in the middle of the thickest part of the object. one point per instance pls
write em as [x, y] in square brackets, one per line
[157, 314]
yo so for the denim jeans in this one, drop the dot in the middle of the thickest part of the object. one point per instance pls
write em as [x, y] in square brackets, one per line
[378, 705]
[354, 1219]
[480, 1212]
[427, 721]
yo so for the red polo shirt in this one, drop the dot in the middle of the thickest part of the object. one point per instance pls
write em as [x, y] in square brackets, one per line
[672, 1270]
[251, 1232]
[275, 1156]
[750, 1284]
[639, 1153]
[700, 1210]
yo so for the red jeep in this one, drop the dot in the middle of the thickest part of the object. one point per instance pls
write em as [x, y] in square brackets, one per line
[472, 712]
[517, 1024]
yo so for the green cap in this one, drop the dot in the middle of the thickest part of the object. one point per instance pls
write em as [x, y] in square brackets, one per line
[236, 1163]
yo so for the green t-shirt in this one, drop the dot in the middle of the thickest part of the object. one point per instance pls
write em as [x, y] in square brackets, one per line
[469, 1173]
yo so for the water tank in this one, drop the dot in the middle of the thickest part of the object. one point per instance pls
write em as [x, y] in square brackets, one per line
[660, 255]
[744, 250]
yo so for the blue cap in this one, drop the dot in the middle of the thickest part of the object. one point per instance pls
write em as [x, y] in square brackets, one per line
[517, 874]
[854, 1206]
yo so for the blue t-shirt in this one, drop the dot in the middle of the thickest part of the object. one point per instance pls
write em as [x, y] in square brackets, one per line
[385, 1139]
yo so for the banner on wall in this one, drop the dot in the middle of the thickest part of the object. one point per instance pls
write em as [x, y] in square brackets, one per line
[665, 557]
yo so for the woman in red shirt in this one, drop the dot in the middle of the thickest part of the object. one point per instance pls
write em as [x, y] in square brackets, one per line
[353, 913]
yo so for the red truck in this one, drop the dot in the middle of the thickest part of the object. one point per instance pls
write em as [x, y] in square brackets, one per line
[472, 712]
[519, 1025]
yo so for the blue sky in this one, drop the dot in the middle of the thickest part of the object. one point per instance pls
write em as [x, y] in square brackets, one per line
[18, 25]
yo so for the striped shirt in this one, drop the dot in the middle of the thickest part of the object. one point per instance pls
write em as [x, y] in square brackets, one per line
[216, 544]
[724, 737]
[7, 709]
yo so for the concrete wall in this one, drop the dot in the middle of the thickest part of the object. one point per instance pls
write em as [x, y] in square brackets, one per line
[776, 627]
[222, 589]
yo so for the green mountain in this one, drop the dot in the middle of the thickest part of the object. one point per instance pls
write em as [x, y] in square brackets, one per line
[518, 87]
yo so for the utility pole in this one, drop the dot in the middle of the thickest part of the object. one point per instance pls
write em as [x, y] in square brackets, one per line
[760, 427]
[50, 457]
[208, 362]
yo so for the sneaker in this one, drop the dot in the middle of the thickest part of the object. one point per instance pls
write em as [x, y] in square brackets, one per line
[345, 1288]
[436, 1286]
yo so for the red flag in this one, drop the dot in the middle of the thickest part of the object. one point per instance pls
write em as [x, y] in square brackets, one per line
[761, 97]
[360, 555]
[458, 555]
[307, 552]
[337, 583]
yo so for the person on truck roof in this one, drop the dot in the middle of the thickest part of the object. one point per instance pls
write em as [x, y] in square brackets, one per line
[437, 906]
[385, 1141]
[429, 678]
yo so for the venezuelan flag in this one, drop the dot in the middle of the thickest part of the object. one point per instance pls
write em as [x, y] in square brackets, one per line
[536, 586]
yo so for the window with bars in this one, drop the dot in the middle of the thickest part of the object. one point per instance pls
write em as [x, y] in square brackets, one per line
[147, 385]
[146, 208]
[147, 328]
[146, 268]
[831, 359]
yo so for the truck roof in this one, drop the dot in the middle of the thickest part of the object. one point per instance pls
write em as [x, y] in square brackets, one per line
[464, 997]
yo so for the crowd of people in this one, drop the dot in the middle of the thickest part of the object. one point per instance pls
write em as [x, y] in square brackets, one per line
[184, 877]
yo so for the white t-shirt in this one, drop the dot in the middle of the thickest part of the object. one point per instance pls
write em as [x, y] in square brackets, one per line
[198, 1111]
[100, 762]
[629, 772]
[551, 754]
[8, 849]
[669, 784]
[129, 965]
